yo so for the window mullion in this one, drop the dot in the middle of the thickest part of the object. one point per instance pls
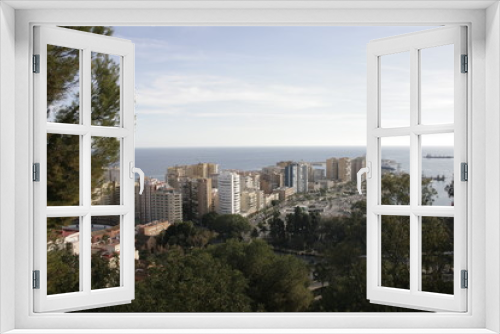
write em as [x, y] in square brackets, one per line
[86, 168]
[414, 171]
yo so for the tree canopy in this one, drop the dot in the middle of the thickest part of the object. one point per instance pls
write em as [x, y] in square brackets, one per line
[230, 226]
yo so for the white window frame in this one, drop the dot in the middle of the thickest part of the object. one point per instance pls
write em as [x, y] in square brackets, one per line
[483, 314]
[86, 43]
[414, 297]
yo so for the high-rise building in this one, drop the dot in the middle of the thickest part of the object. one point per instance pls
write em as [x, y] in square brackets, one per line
[271, 178]
[167, 205]
[177, 174]
[143, 203]
[332, 169]
[249, 180]
[203, 195]
[297, 176]
[248, 202]
[157, 202]
[345, 169]
[356, 165]
[260, 199]
[291, 175]
[229, 193]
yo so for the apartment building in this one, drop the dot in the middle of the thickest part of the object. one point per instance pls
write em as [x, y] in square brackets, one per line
[297, 176]
[271, 178]
[356, 165]
[332, 169]
[229, 193]
[166, 204]
[176, 174]
[197, 198]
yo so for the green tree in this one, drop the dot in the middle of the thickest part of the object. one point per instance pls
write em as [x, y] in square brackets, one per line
[209, 218]
[185, 235]
[275, 283]
[194, 282]
[344, 269]
[301, 228]
[277, 230]
[64, 68]
[437, 254]
[62, 271]
[396, 189]
[450, 189]
[255, 233]
[105, 271]
[230, 226]
[63, 107]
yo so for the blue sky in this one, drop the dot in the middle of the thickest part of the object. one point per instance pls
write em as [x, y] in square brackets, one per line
[252, 86]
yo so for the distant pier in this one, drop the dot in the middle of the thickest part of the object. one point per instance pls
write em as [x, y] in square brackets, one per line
[431, 156]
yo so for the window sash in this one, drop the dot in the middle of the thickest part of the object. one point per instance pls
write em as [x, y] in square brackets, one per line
[86, 297]
[414, 298]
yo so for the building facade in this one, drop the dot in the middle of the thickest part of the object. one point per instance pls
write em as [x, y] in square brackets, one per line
[297, 176]
[229, 193]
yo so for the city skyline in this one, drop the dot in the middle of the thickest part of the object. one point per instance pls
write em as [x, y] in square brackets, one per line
[252, 86]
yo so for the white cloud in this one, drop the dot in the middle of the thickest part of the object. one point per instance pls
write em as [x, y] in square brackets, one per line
[174, 92]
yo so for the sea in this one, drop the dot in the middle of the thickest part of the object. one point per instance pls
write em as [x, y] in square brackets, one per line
[155, 161]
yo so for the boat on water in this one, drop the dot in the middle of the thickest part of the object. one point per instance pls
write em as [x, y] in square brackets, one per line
[431, 156]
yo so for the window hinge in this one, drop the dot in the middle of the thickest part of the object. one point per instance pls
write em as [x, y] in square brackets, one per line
[464, 171]
[36, 172]
[36, 279]
[465, 279]
[465, 64]
[36, 63]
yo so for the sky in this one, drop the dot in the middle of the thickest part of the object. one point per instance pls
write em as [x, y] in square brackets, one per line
[255, 86]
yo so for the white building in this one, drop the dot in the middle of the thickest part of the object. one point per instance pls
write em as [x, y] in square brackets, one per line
[229, 193]
[297, 176]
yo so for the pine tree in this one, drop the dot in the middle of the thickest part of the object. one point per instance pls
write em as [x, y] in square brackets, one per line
[63, 106]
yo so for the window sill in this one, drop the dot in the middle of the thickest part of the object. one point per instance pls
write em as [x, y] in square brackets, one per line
[253, 331]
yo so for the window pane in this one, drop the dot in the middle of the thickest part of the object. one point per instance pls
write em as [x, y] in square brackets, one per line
[437, 169]
[63, 255]
[106, 171]
[395, 90]
[63, 85]
[63, 170]
[437, 254]
[105, 252]
[437, 83]
[395, 168]
[396, 252]
[106, 85]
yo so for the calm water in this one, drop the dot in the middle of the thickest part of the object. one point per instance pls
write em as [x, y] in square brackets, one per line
[154, 161]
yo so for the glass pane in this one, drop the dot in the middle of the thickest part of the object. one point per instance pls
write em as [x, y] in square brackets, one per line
[396, 252]
[63, 255]
[63, 85]
[106, 171]
[395, 170]
[437, 254]
[63, 170]
[105, 252]
[437, 169]
[437, 82]
[106, 84]
[395, 90]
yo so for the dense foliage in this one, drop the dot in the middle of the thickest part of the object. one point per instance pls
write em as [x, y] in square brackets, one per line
[231, 277]
[63, 106]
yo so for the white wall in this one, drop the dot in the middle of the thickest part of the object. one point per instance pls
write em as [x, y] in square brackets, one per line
[225, 17]
[492, 162]
[7, 160]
